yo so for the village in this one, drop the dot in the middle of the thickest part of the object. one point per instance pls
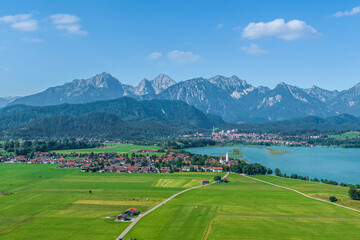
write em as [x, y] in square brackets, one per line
[248, 138]
[139, 162]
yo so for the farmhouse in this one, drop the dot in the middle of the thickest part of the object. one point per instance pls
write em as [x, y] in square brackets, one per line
[217, 169]
[132, 212]
[122, 218]
[204, 182]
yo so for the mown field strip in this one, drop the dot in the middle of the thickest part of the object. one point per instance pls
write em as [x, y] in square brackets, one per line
[301, 193]
[154, 208]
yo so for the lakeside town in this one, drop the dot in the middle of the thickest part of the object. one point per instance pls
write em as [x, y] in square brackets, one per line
[123, 163]
[269, 139]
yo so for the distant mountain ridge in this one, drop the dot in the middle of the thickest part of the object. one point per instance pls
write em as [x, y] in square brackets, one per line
[229, 97]
[310, 124]
[6, 100]
[125, 108]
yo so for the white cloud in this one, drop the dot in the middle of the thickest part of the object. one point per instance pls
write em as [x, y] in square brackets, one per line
[354, 11]
[219, 26]
[68, 22]
[180, 57]
[253, 49]
[22, 22]
[34, 40]
[154, 55]
[292, 30]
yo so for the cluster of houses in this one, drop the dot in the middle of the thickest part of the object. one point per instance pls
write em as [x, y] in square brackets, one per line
[233, 134]
[117, 163]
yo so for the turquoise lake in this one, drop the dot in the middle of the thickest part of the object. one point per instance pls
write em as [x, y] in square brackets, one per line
[339, 164]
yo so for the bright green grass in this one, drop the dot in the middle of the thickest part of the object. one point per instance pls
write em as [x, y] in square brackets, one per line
[277, 151]
[318, 190]
[51, 203]
[248, 209]
[351, 134]
[112, 147]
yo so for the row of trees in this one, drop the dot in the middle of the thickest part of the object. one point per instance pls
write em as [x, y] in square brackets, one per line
[29, 147]
[354, 190]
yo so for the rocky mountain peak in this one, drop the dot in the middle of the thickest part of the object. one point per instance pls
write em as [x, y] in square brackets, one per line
[103, 80]
[144, 87]
[162, 82]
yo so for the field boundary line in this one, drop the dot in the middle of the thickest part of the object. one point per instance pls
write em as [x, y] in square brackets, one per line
[349, 208]
[208, 229]
[122, 235]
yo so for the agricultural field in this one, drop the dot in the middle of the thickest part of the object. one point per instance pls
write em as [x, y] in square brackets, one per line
[247, 209]
[47, 202]
[112, 147]
[50, 203]
[349, 135]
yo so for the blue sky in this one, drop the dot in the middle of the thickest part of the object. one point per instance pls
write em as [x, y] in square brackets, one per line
[47, 43]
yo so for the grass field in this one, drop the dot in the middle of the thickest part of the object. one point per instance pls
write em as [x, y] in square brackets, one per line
[351, 134]
[277, 151]
[112, 147]
[51, 203]
[247, 209]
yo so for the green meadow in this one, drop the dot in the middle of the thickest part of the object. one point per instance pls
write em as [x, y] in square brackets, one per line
[351, 134]
[112, 147]
[248, 209]
[51, 203]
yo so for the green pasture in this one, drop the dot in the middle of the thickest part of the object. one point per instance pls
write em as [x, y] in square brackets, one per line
[349, 135]
[51, 203]
[248, 209]
[112, 147]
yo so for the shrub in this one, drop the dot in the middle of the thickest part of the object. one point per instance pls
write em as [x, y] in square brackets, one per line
[333, 199]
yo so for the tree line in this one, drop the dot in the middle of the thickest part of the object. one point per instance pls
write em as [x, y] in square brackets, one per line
[30, 147]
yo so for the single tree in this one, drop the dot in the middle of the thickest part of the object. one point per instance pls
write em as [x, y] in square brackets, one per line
[278, 172]
[217, 178]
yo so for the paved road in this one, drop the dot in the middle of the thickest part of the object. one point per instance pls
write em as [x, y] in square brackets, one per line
[157, 206]
[301, 193]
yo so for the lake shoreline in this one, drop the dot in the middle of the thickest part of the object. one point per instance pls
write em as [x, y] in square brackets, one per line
[335, 163]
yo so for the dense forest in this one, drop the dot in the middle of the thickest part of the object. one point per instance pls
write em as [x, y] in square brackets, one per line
[98, 125]
[30, 147]
[126, 109]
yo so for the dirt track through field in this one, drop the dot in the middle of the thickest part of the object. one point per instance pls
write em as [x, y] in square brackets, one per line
[290, 189]
[157, 206]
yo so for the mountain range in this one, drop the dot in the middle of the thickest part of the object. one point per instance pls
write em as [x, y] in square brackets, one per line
[229, 97]
[121, 118]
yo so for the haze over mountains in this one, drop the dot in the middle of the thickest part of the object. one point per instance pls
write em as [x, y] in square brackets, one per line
[229, 97]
